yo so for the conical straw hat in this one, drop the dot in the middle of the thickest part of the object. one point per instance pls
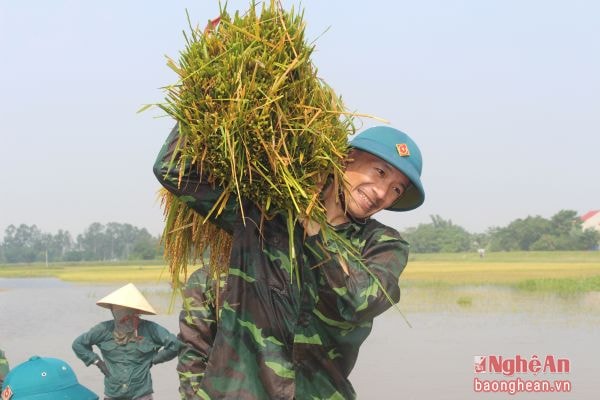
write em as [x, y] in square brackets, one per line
[127, 296]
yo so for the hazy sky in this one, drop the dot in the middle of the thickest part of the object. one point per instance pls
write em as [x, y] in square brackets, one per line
[503, 97]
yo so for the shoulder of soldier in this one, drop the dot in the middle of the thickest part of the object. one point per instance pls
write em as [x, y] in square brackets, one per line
[375, 233]
[376, 229]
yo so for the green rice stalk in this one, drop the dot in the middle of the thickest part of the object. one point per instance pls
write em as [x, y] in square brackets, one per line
[257, 121]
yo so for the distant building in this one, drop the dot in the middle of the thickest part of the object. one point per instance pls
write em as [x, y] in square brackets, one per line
[591, 219]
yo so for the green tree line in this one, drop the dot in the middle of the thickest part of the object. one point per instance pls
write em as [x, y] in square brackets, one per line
[563, 231]
[116, 242]
[111, 242]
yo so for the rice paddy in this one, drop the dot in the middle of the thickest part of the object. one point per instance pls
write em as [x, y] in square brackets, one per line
[560, 272]
[90, 273]
[530, 271]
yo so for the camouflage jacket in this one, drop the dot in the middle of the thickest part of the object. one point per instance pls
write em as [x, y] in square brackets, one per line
[277, 338]
[3, 367]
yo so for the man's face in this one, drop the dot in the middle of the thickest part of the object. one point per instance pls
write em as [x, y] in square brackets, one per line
[372, 184]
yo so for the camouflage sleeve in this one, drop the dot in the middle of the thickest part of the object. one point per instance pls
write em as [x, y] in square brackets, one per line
[82, 345]
[197, 330]
[3, 367]
[371, 287]
[169, 343]
[188, 185]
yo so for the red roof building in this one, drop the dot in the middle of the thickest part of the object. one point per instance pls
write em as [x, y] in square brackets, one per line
[591, 220]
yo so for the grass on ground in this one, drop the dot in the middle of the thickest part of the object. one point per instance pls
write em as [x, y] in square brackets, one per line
[532, 271]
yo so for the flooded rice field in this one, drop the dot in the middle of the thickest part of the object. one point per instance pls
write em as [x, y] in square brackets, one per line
[433, 358]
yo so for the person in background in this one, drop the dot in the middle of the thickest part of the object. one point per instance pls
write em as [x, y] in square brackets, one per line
[129, 345]
[44, 378]
[3, 366]
[295, 334]
[197, 329]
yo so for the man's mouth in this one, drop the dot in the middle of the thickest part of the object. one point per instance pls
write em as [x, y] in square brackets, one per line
[366, 201]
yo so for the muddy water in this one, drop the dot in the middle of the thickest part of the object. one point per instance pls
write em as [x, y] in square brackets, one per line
[432, 359]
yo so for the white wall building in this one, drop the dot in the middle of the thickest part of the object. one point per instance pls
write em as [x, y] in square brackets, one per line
[591, 219]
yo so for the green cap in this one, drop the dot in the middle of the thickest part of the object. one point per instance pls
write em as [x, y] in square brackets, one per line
[400, 151]
[44, 378]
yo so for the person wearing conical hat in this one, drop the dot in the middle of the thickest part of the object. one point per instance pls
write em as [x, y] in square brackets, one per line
[129, 345]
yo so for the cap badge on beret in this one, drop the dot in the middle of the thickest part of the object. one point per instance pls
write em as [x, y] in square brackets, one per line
[7, 393]
[403, 150]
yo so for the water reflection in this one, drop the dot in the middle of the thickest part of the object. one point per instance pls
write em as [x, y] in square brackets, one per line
[31, 283]
[433, 359]
[489, 298]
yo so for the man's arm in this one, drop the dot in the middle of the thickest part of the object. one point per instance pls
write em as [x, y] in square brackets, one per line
[368, 288]
[82, 345]
[183, 179]
[3, 367]
[169, 343]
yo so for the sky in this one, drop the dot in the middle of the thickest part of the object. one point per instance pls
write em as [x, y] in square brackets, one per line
[502, 97]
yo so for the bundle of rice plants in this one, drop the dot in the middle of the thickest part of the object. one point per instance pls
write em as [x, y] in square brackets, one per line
[256, 120]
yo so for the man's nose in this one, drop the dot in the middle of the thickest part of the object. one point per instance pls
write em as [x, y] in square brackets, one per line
[385, 192]
[379, 192]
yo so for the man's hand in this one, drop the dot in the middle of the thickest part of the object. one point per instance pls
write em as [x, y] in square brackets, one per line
[311, 227]
[102, 366]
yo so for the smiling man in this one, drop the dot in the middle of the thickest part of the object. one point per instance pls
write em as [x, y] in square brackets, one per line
[277, 338]
[381, 173]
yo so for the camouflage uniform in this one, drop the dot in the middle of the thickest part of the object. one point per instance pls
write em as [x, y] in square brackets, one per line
[3, 367]
[197, 329]
[277, 338]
